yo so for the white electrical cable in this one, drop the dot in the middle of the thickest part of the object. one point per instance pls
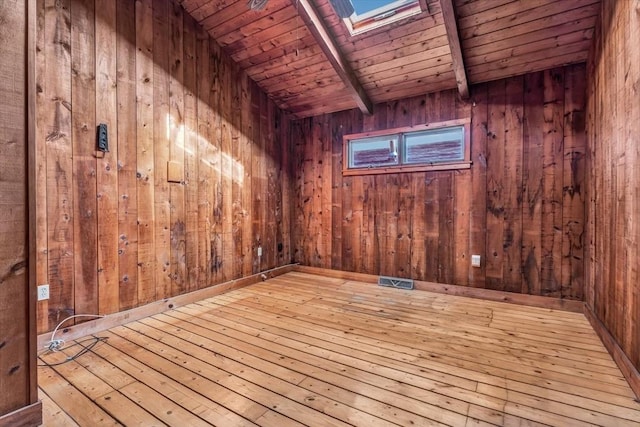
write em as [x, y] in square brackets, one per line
[56, 345]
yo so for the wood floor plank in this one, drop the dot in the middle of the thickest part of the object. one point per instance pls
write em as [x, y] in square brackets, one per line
[423, 338]
[116, 404]
[75, 404]
[585, 403]
[319, 379]
[213, 403]
[51, 411]
[405, 365]
[303, 349]
[289, 398]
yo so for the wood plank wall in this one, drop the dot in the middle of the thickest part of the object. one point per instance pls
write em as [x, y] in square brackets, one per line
[521, 205]
[193, 181]
[18, 376]
[613, 230]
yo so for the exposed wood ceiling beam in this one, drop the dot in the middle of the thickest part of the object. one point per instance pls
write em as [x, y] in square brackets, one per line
[326, 43]
[451, 26]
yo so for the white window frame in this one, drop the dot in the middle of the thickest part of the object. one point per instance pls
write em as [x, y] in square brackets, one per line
[348, 167]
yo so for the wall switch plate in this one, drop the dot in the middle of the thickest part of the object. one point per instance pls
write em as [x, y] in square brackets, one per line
[259, 250]
[475, 260]
[43, 292]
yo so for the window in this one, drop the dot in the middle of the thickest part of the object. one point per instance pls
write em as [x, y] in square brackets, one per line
[435, 146]
[370, 14]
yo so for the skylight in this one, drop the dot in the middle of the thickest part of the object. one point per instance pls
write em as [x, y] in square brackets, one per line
[364, 6]
[370, 14]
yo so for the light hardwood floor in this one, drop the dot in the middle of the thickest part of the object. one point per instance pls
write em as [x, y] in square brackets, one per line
[302, 349]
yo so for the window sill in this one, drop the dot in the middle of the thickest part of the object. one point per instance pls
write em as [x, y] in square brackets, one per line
[406, 169]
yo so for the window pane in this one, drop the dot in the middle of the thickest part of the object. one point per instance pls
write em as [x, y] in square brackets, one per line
[434, 146]
[373, 152]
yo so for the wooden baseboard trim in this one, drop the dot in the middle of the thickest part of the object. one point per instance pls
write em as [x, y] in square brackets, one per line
[26, 416]
[464, 291]
[117, 319]
[626, 367]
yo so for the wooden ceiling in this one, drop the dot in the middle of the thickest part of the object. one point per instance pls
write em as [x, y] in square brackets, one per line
[303, 56]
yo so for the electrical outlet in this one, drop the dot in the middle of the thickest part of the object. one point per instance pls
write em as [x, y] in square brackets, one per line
[43, 292]
[259, 250]
[475, 260]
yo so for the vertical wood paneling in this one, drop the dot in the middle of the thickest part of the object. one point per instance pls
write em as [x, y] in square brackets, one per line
[191, 241]
[512, 246]
[146, 291]
[107, 169]
[40, 226]
[478, 214]
[533, 179]
[573, 185]
[127, 156]
[246, 226]
[83, 122]
[117, 234]
[237, 174]
[57, 134]
[507, 208]
[18, 386]
[612, 177]
[462, 212]
[161, 146]
[552, 182]
[177, 135]
[496, 147]
[207, 164]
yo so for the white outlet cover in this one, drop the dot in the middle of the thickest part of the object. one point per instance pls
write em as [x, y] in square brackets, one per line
[475, 260]
[43, 292]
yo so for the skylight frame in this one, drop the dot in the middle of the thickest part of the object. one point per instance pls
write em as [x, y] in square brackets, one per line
[384, 15]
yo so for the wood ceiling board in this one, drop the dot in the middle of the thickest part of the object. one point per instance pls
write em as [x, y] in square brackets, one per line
[408, 90]
[535, 63]
[440, 54]
[446, 78]
[470, 7]
[399, 77]
[200, 9]
[287, 30]
[318, 108]
[539, 45]
[246, 30]
[294, 41]
[389, 34]
[215, 12]
[531, 58]
[317, 89]
[300, 77]
[586, 24]
[271, 67]
[427, 39]
[288, 64]
[430, 48]
[563, 11]
[273, 55]
[504, 11]
[588, 12]
[434, 67]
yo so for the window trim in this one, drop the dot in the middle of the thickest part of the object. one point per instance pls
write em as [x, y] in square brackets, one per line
[463, 164]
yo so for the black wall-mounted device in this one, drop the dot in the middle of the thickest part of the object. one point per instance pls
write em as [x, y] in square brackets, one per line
[103, 139]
